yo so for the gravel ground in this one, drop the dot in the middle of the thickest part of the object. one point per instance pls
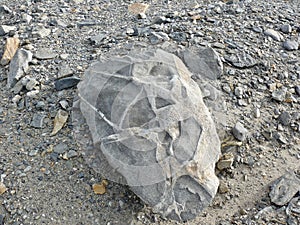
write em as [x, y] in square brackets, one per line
[45, 178]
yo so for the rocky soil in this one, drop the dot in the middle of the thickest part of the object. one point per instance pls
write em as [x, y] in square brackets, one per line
[44, 178]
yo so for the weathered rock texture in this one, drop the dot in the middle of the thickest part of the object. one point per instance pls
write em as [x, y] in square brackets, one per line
[149, 129]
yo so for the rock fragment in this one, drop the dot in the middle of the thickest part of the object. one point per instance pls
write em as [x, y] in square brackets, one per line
[97, 39]
[5, 9]
[45, 53]
[43, 32]
[3, 188]
[38, 120]
[226, 161]
[158, 37]
[279, 94]
[64, 70]
[285, 188]
[11, 47]
[59, 121]
[290, 45]
[18, 66]
[285, 118]
[275, 35]
[65, 83]
[286, 28]
[4, 29]
[100, 189]
[60, 148]
[239, 131]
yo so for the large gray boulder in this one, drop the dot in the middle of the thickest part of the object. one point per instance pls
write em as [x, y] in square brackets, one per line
[141, 121]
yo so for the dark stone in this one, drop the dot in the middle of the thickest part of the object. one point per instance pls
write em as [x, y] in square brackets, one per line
[205, 63]
[2, 219]
[60, 148]
[178, 36]
[284, 118]
[65, 83]
[297, 89]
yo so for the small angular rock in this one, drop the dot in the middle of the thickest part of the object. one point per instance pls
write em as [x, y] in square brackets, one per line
[11, 47]
[18, 66]
[64, 70]
[2, 188]
[239, 131]
[60, 148]
[4, 29]
[4, 9]
[158, 37]
[38, 120]
[286, 28]
[279, 94]
[285, 118]
[59, 121]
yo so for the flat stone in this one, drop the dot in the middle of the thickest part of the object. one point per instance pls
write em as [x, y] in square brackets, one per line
[239, 131]
[158, 37]
[285, 188]
[290, 45]
[4, 29]
[38, 120]
[72, 154]
[18, 66]
[275, 35]
[64, 70]
[60, 148]
[10, 49]
[45, 53]
[65, 83]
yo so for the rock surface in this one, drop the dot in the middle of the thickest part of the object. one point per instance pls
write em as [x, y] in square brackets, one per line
[149, 123]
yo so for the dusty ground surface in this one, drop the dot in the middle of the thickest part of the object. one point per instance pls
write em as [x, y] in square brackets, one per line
[44, 188]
